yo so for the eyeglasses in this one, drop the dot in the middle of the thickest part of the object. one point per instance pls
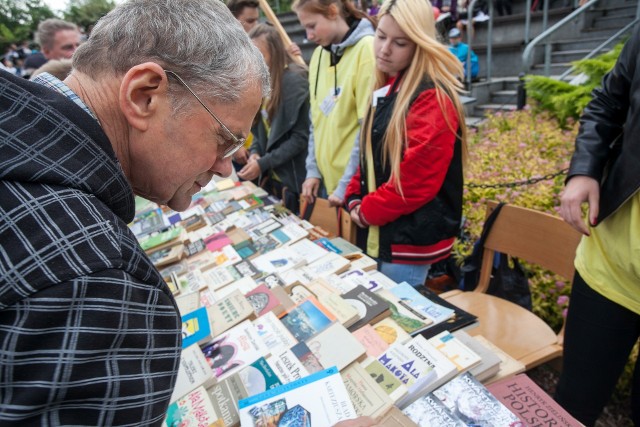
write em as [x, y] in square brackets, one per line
[237, 142]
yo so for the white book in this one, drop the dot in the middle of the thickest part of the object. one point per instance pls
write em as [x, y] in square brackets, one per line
[331, 263]
[490, 363]
[460, 354]
[443, 368]
[410, 369]
[321, 397]
[219, 277]
[340, 285]
[273, 333]
[244, 285]
[295, 233]
[381, 279]
[278, 260]
[336, 346]
[356, 276]
[293, 277]
[193, 372]
[287, 366]
[308, 250]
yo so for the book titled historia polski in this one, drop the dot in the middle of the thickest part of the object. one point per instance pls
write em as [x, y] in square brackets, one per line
[320, 399]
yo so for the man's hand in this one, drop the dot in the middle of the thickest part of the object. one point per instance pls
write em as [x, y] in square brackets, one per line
[580, 189]
[335, 201]
[250, 171]
[241, 156]
[310, 188]
[357, 422]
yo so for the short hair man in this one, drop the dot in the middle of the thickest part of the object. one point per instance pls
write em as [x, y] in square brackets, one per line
[461, 50]
[158, 99]
[245, 11]
[58, 39]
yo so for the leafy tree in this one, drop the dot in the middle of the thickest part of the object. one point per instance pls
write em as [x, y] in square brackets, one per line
[19, 19]
[87, 12]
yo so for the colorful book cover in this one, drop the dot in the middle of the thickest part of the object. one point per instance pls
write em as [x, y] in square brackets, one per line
[307, 319]
[321, 397]
[420, 305]
[388, 382]
[390, 331]
[429, 411]
[408, 320]
[530, 403]
[408, 367]
[193, 409]
[287, 366]
[367, 397]
[461, 319]
[470, 401]
[217, 241]
[273, 333]
[258, 377]
[372, 342]
[195, 327]
[306, 357]
[263, 300]
[462, 356]
[232, 351]
[371, 308]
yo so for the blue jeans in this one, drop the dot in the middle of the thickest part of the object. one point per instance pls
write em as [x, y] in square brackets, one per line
[413, 274]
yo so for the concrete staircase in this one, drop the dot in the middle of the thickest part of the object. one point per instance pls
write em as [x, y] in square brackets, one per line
[499, 93]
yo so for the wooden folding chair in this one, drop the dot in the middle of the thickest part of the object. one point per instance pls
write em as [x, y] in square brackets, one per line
[537, 238]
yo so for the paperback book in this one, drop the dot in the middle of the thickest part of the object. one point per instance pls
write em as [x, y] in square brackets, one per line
[336, 346]
[307, 319]
[371, 307]
[367, 397]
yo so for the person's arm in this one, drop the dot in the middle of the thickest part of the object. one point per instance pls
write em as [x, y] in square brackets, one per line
[600, 124]
[99, 349]
[424, 164]
[311, 184]
[352, 166]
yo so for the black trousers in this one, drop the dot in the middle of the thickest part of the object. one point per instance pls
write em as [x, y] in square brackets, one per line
[599, 336]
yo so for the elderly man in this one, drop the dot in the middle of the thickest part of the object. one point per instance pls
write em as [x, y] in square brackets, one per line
[58, 39]
[160, 97]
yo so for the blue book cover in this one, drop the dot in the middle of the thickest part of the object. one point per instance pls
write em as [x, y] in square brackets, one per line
[307, 319]
[420, 305]
[195, 327]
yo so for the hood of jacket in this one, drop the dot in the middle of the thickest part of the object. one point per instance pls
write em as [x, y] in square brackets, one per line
[357, 31]
[48, 139]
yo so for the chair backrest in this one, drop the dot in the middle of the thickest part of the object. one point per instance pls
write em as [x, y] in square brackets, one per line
[533, 236]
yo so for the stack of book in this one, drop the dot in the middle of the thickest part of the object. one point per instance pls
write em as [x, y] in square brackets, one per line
[284, 324]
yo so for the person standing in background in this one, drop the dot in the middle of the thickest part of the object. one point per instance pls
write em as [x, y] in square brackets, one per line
[58, 39]
[603, 320]
[281, 130]
[406, 196]
[340, 74]
[461, 51]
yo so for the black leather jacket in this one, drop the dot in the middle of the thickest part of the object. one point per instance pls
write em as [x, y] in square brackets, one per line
[608, 144]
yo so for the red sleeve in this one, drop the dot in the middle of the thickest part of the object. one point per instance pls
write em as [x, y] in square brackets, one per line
[353, 195]
[424, 165]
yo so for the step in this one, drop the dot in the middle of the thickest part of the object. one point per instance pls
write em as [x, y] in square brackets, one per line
[474, 122]
[622, 10]
[612, 21]
[569, 55]
[504, 97]
[496, 107]
[578, 44]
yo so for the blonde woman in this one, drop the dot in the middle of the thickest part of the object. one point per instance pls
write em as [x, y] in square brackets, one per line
[407, 193]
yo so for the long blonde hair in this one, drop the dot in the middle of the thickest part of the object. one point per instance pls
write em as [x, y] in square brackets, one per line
[433, 62]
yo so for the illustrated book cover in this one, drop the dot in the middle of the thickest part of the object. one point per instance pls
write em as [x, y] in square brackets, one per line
[367, 397]
[321, 397]
[307, 319]
[195, 408]
[371, 307]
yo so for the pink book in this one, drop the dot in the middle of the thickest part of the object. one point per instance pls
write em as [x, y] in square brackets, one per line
[217, 241]
[263, 300]
[371, 340]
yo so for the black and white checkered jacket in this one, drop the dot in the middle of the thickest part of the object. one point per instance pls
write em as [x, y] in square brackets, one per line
[89, 332]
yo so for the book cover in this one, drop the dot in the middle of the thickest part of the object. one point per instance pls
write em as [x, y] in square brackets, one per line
[372, 342]
[383, 281]
[273, 332]
[409, 368]
[388, 382]
[232, 351]
[195, 327]
[193, 409]
[246, 269]
[228, 312]
[238, 236]
[370, 306]
[193, 248]
[442, 367]
[244, 285]
[345, 312]
[258, 377]
[226, 256]
[271, 280]
[336, 346]
[390, 331]
[508, 365]
[293, 277]
[247, 250]
[219, 277]
[470, 401]
[360, 277]
[461, 355]
[217, 241]
[278, 260]
[326, 244]
[300, 293]
[193, 372]
[344, 246]
[306, 357]
[166, 256]
[367, 397]
[188, 302]
[287, 366]
[263, 300]
[363, 262]
[283, 297]
[224, 397]
[410, 321]
[420, 305]
[164, 239]
[490, 362]
[331, 263]
[321, 396]
[307, 319]
[429, 411]
[530, 403]
[461, 319]
[308, 250]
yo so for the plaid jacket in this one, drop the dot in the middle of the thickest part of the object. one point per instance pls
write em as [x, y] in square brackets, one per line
[89, 332]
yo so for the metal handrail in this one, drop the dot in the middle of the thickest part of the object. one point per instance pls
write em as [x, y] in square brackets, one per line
[469, 43]
[602, 46]
[527, 55]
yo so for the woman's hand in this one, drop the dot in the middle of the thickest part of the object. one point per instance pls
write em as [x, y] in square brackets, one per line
[310, 188]
[250, 171]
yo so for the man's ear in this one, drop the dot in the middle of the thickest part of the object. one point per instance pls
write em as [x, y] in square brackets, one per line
[142, 91]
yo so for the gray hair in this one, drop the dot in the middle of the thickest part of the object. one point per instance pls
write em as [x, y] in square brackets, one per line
[47, 29]
[197, 39]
